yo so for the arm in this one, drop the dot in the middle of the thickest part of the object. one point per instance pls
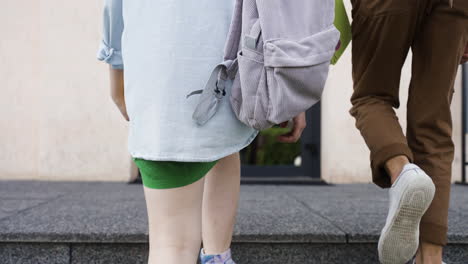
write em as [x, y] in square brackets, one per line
[117, 90]
[110, 51]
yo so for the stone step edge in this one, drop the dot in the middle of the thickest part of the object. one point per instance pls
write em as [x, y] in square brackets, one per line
[235, 241]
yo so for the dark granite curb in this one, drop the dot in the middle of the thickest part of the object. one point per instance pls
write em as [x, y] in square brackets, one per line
[244, 253]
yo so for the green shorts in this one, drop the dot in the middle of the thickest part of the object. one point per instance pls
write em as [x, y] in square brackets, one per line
[171, 174]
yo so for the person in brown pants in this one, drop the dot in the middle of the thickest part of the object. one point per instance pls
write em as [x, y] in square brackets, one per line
[437, 33]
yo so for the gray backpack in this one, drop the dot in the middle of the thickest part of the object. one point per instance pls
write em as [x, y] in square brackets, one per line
[277, 54]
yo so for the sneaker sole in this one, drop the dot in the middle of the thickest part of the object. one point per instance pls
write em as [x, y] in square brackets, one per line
[400, 239]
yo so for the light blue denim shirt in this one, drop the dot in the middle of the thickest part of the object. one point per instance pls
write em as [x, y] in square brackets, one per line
[167, 49]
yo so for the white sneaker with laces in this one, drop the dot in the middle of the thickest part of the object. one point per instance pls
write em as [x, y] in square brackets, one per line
[409, 197]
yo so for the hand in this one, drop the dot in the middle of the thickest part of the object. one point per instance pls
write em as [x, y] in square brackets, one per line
[117, 91]
[465, 55]
[299, 124]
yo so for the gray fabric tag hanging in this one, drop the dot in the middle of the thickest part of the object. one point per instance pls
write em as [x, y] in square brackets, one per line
[213, 92]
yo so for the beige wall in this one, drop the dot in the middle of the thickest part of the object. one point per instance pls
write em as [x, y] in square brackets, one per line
[58, 123]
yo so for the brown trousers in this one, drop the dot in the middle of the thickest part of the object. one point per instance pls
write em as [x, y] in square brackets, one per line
[383, 33]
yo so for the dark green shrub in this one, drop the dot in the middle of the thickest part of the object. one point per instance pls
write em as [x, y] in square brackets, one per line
[266, 150]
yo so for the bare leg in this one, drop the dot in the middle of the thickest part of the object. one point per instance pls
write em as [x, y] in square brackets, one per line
[429, 254]
[220, 200]
[174, 218]
[395, 165]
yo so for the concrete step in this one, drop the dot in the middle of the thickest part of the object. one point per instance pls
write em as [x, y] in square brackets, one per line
[248, 253]
[95, 222]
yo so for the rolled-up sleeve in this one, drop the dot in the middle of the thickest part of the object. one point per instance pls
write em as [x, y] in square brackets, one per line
[111, 42]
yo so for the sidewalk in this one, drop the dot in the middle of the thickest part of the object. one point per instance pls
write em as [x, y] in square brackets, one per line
[96, 222]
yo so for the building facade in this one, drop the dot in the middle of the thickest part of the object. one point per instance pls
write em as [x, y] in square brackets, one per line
[58, 122]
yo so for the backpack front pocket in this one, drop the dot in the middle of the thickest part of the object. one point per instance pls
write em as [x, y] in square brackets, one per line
[292, 90]
[296, 72]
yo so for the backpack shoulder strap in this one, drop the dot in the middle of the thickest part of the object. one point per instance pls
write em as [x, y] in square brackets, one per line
[251, 40]
[235, 31]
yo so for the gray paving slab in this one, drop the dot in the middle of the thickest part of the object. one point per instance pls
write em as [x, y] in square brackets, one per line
[75, 211]
[105, 212]
[10, 206]
[458, 215]
[78, 220]
[81, 190]
[36, 253]
[108, 191]
[268, 214]
[34, 189]
[360, 209]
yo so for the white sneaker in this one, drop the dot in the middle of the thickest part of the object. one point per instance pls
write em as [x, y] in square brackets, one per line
[410, 196]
